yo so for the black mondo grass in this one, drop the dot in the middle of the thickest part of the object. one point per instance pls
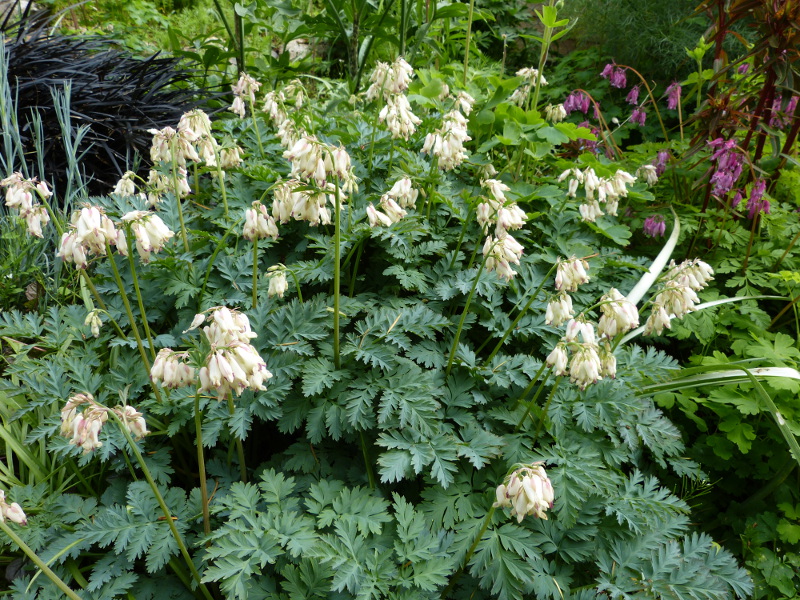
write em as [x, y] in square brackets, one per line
[117, 96]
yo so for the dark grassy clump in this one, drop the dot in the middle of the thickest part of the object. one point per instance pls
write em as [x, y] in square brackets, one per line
[118, 96]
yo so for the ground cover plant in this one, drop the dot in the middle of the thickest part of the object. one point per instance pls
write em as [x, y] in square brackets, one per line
[404, 334]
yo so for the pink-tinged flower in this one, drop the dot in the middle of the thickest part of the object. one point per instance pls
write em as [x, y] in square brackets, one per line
[638, 116]
[633, 95]
[743, 68]
[617, 79]
[654, 226]
[756, 203]
[577, 100]
[615, 75]
[661, 162]
[673, 95]
[728, 166]
[737, 199]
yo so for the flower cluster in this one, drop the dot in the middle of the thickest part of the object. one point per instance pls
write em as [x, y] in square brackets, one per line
[728, 165]
[679, 294]
[619, 315]
[673, 95]
[399, 119]
[89, 232]
[497, 209]
[649, 173]
[578, 100]
[315, 160]
[389, 80]
[654, 226]
[527, 491]
[392, 212]
[12, 512]
[615, 75]
[126, 187]
[570, 273]
[781, 119]
[520, 95]
[20, 196]
[172, 369]
[93, 322]
[244, 89]
[277, 281]
[295, 200]
[757, 203]
[233, 365]
[500, 252]
[592, 359]
[258, 223]
[447, 142]
[275, 103]
[555, 113]
[598, 190]
[148, 229]
[83, 427]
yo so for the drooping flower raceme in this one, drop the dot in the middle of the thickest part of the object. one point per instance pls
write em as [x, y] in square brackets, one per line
[673, 95]
[399, 119]
[618, 316]
[497, 209]
[21, 195]
[83, 427]
[389, 80]
[500, 253]
[233, 365]
[258, 223]
[244, 90]
[172, 369]
[654, 226]
[570, 273]
[149, 231]
[447, 142]
[520, 95]
[277, 281]
[126, 187]
[527, 491]
[678, 295]
[89, 232]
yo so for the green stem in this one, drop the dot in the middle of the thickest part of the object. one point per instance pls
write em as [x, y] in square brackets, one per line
[469, 553]
[257, 128]
[351, 288]
[532, 403]
[239, 445]
[38, 562]
[296, 285]
[469, 40]
[367, 463]
[162, 503]
[543, 52]
[176, 191]
[255, 272]
[221, 179]
[467, 221]
[124, 295]
[337, 272]
[452, 355]
[100, 303]
[201, 463]
[544, 411]
[519, 317]
[139, 300]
